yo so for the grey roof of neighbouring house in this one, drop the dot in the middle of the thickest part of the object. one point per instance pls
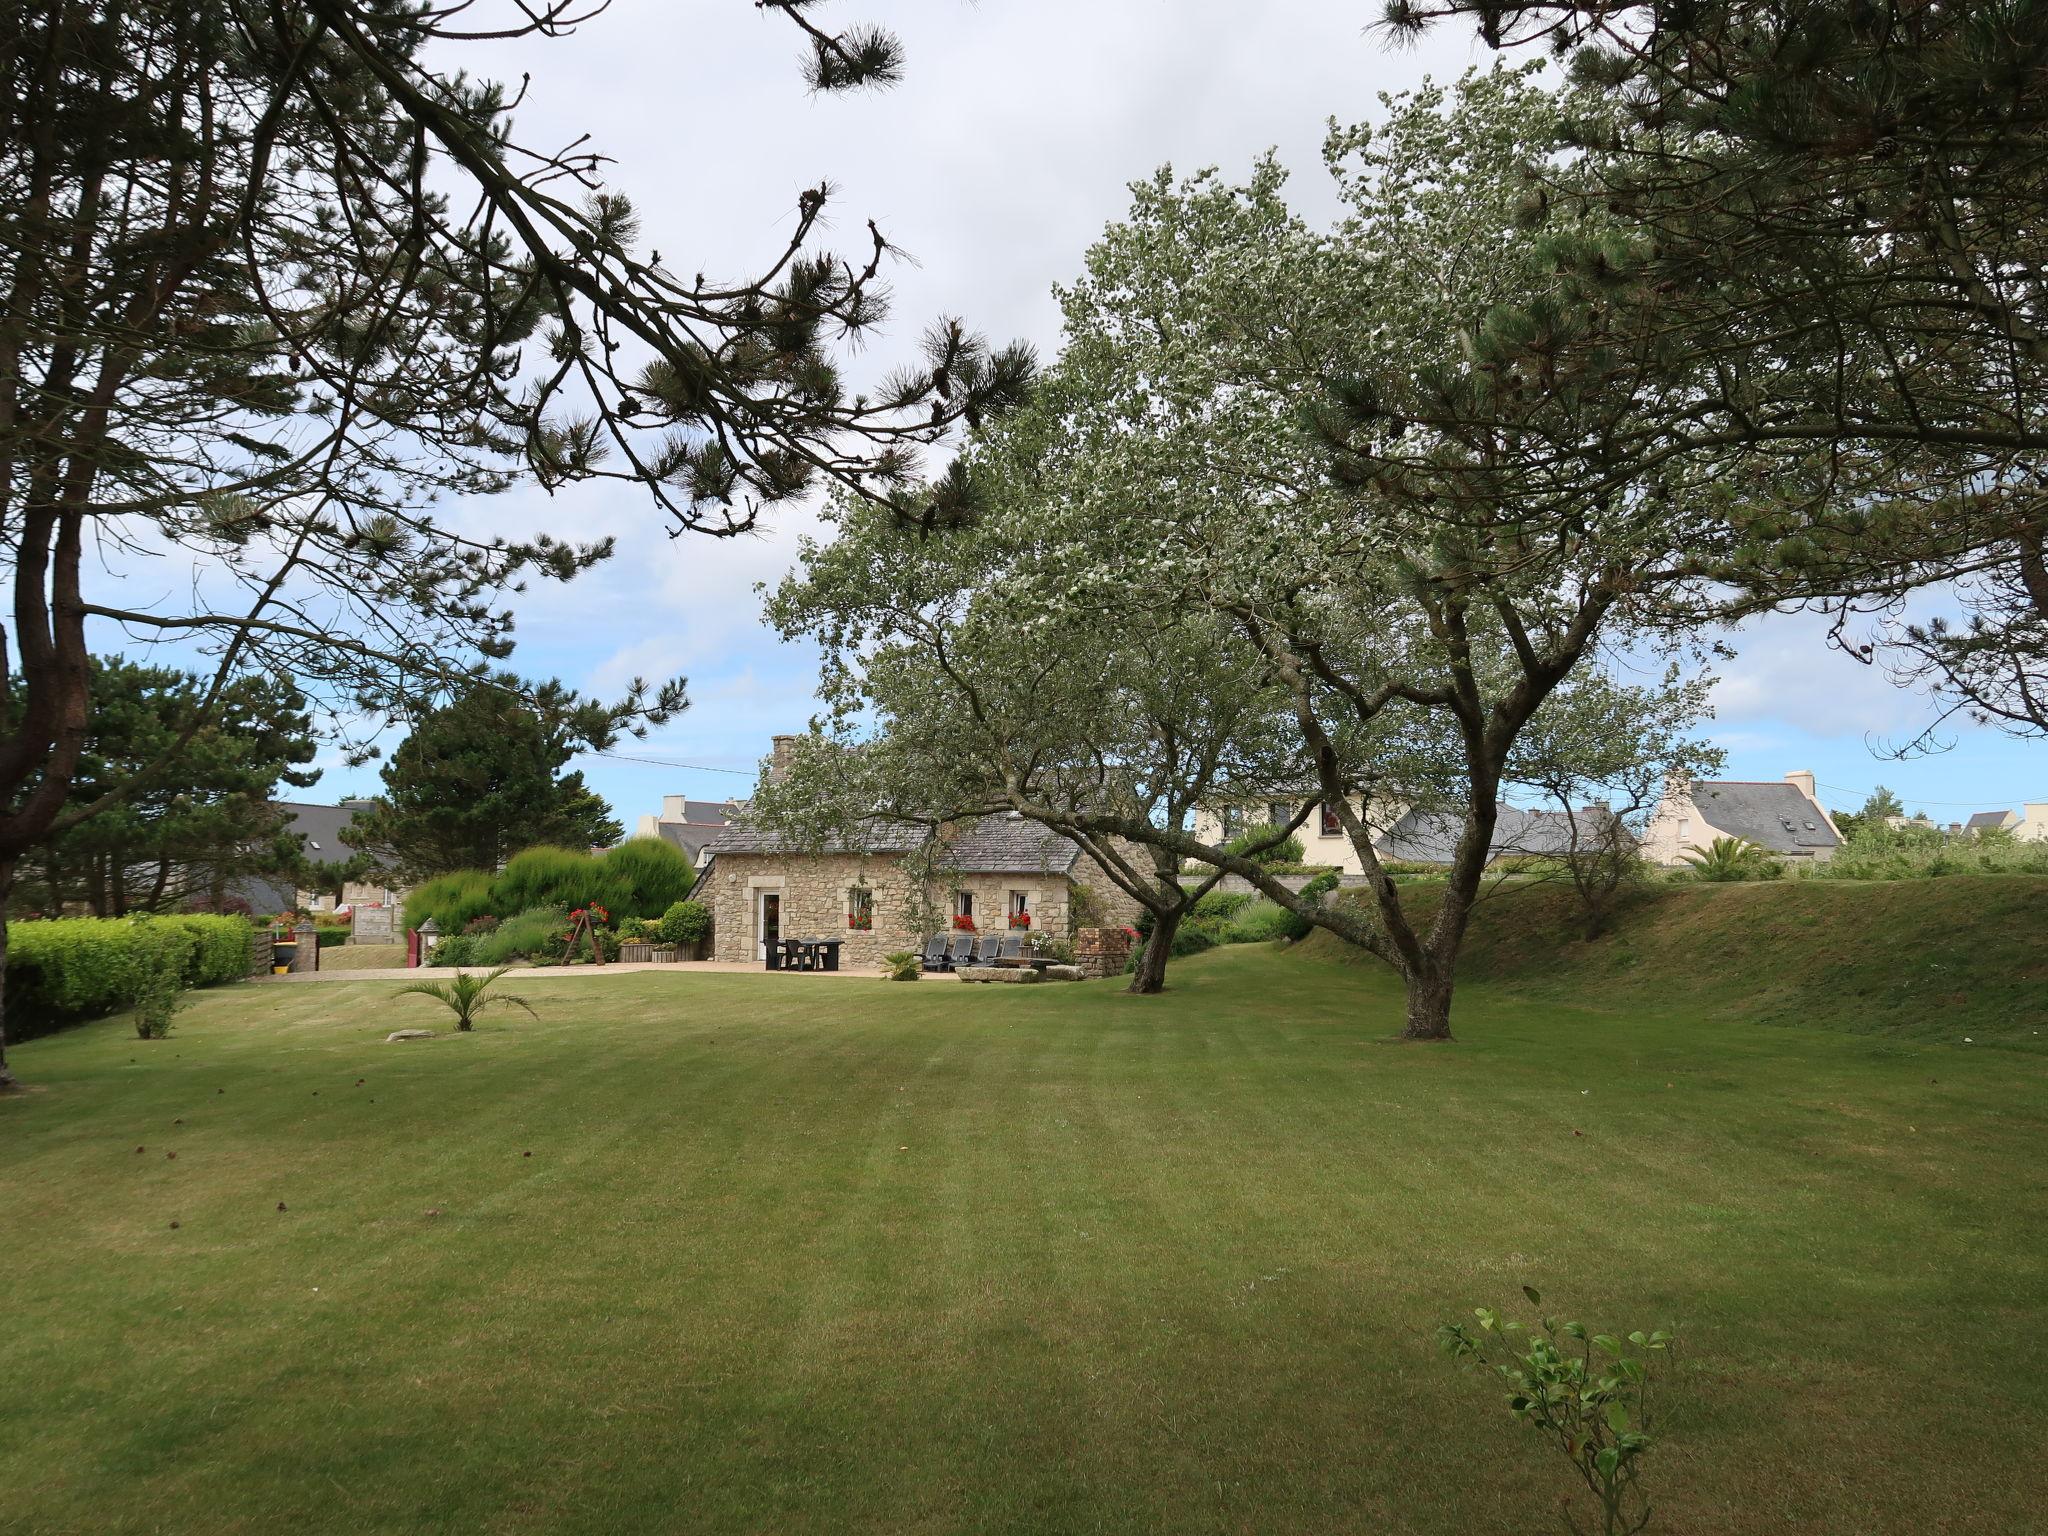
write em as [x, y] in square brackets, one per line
[324, 830]
[994, 845]
[1986, 819]
[1773, 815]
[701, 822]
[1431, 837]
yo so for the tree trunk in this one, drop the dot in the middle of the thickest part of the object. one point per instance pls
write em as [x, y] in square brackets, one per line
[8, 1083]
[1429, 1006]
[1150, 976]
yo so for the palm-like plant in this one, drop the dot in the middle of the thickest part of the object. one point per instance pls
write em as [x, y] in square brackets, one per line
[1726, 858]
[468, 995]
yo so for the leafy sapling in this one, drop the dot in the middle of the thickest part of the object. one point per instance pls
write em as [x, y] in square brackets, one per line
[1589, 1394]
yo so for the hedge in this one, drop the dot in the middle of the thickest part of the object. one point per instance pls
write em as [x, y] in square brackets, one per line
[63, 970]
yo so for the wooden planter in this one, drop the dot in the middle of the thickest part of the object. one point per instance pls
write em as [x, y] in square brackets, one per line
[642, 954]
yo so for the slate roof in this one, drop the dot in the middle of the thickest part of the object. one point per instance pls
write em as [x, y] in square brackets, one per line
[1010, 845]
[995, 845]
[1773, 815]
[1983, 819]
[1431, 837]
[324, 830]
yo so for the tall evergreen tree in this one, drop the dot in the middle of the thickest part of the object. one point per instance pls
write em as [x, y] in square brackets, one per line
[189, 823]
[279, 279]
[477, 781]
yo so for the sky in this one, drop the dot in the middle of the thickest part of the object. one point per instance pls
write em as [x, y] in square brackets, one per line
[1005, 150]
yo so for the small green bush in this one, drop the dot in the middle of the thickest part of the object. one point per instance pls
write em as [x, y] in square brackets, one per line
[453, 901]
[903, 965]
[1222, 903]
[161, 953]
[560, 877]
[456, 949]
[1293, 925]
[530, 935]
[686, 922]
[1286, 851]
[655, 875]
[1260, 923]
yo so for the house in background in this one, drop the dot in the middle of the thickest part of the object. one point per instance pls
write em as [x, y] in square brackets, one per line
[991, 874]
[1407, 835]
[1991, 821]
[322, 831]
[2033, 827]
[688, 824]
[1781, 817]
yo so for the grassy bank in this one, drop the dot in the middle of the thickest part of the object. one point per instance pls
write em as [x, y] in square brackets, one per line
[1936, 958]
[801, 1257]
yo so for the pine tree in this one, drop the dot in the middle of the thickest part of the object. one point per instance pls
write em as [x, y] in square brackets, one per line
[279, 280]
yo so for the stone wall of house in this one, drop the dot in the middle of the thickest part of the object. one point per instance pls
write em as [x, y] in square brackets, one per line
[814, 891]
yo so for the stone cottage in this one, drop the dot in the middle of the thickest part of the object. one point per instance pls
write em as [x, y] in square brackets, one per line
[993, 873]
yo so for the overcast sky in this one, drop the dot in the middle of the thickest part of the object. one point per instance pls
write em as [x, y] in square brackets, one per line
[1002, 154]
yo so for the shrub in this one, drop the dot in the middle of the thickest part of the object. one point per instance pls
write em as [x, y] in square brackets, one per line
[1260, 923]
[160, 954]
[655, 873]
[528, 935]
[902, 966]
[450, 900]
[1295, 926]
[1589, 1395]
[1879, 852]
[559, 877]
[1222, 903]
[1286, 851]
[686, 922]
[456, 949]
[220, 950]
[65, 969]
[484, 924]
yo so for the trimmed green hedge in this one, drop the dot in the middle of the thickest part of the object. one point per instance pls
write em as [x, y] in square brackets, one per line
[63, 970]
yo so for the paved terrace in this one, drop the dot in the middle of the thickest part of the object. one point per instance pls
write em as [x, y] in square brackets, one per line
[530, 973]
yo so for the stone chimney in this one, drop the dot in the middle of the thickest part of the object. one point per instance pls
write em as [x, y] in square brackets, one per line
[1803, 781]
[780, 759]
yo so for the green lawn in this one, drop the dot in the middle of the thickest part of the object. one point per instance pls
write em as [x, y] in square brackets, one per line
[797, 1256]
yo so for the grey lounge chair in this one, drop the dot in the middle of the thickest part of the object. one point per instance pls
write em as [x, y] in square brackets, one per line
[962, 952]
[1010, 948]
[935, 956]
[986, 949]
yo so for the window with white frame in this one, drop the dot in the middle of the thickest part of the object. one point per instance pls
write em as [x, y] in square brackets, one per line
[1020, 909]
[1332, 824]
[963, 909]
[1278, 813]
[860, 908]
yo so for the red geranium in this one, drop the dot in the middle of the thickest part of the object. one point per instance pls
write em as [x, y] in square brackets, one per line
[963, 922]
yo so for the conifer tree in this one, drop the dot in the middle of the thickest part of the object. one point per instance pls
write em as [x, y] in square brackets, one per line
[277, 281]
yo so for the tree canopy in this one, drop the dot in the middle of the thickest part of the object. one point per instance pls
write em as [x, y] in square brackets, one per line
[477, 781]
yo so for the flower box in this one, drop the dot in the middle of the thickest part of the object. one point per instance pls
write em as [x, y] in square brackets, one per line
[1020, 919]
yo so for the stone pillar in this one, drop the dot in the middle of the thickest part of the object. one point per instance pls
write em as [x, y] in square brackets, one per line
[1102, 951]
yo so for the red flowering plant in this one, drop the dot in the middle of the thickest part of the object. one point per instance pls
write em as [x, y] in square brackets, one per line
[861, 920]
[599, 917]
[1020, 919]
[963, 922]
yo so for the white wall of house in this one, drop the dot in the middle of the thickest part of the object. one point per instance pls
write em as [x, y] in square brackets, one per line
[2033, 827]
[1677, 825]
[1321, 843]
